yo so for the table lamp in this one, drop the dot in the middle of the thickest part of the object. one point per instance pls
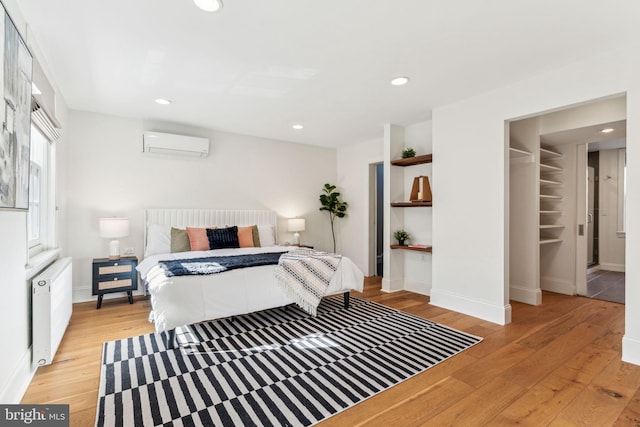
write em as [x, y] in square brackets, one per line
[114, 228]
[296, 225]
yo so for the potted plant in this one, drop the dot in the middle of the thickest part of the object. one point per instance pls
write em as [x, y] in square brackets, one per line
[332, 203]
[401, 236]
[408, 152]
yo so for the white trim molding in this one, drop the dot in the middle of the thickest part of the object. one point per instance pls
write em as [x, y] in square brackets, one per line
[612, 267]
[525, 294]
[498, 314]
[559, 286]
[631, 350]
[20, 379]
[417, 286]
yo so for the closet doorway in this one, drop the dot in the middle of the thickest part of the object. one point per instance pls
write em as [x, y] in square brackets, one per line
[555, 228]
[606, 173]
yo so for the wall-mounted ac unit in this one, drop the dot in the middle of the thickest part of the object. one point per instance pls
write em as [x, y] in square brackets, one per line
[177, 145]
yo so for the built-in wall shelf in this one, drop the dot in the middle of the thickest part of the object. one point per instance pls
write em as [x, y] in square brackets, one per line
[550, 197]
[516, 153]
[550, 168]
[551, 212]
[546, 241]
[549, 227]
[550, 153]
[410, 161]
[409, 248]
[410, 204]
[550, 182]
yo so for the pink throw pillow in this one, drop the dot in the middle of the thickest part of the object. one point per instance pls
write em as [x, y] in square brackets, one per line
[198, 239]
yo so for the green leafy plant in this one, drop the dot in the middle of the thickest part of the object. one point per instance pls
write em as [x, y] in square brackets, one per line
[337, 208]
[401, 236]
[408, 152]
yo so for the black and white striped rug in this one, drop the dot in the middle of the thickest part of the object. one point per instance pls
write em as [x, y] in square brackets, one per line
[277, 367]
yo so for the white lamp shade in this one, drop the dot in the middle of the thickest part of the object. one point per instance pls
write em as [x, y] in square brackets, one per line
[209, 5]
[113, 228]
[296, 224]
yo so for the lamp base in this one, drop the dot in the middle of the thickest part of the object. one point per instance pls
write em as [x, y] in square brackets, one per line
[114, 250]
[296, 238]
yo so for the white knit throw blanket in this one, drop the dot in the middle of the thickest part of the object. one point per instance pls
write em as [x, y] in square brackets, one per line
[304, 276]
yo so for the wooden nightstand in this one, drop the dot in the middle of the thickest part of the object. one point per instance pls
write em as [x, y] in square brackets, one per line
[115, 276]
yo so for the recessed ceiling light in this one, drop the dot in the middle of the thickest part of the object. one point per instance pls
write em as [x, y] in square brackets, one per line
[607, 130]
[298, 127]
[162, 101]
[209, 5]
[399, 81]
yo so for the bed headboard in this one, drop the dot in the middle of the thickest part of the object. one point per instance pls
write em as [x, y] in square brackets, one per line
[181, 218]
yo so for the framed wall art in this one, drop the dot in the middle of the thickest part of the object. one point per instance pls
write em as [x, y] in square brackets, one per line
[15, 113]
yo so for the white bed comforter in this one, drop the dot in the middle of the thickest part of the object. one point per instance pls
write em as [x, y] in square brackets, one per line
[182, 300]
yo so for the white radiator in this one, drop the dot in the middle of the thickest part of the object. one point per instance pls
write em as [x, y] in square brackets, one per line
[51, 310]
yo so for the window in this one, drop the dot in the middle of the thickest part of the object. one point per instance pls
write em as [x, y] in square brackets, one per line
[38, 217]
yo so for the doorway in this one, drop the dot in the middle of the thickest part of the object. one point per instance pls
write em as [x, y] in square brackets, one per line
[606, 172]
[555, 229]
[379, 218]
[376, 216]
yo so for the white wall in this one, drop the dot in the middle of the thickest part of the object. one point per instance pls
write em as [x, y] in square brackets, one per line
[353, 162]
[469, 213]
[15, 304]
[109, 175]
[611, 245]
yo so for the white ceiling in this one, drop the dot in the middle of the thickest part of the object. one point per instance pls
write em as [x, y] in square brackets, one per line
[592, 135]
[259, 66]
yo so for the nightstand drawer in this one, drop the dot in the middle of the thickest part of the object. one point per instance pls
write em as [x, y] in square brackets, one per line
[113, 269]
[115, 283]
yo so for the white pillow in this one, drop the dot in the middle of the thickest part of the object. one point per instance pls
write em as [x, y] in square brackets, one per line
[267, 235]
[158, 240]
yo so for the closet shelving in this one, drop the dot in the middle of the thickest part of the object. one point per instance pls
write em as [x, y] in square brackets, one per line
[544, 240]
[550, 168]
[412, 161]
[516, 153]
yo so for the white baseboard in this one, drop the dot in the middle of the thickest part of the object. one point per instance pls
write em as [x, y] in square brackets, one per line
[422, 288]
[559, 286]
[612, 267]
[525, 295]
[631, 350]
[392, 285]
[593, 269]
[19, 381]
[500, 314]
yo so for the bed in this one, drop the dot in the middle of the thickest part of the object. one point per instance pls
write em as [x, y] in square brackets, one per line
[182, 300]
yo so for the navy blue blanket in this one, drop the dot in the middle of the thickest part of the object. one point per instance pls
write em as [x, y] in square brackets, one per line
[217, 264]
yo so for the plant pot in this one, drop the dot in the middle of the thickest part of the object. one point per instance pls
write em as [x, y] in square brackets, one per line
[401, 242]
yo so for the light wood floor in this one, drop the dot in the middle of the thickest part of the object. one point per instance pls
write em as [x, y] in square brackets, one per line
[557, 364]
